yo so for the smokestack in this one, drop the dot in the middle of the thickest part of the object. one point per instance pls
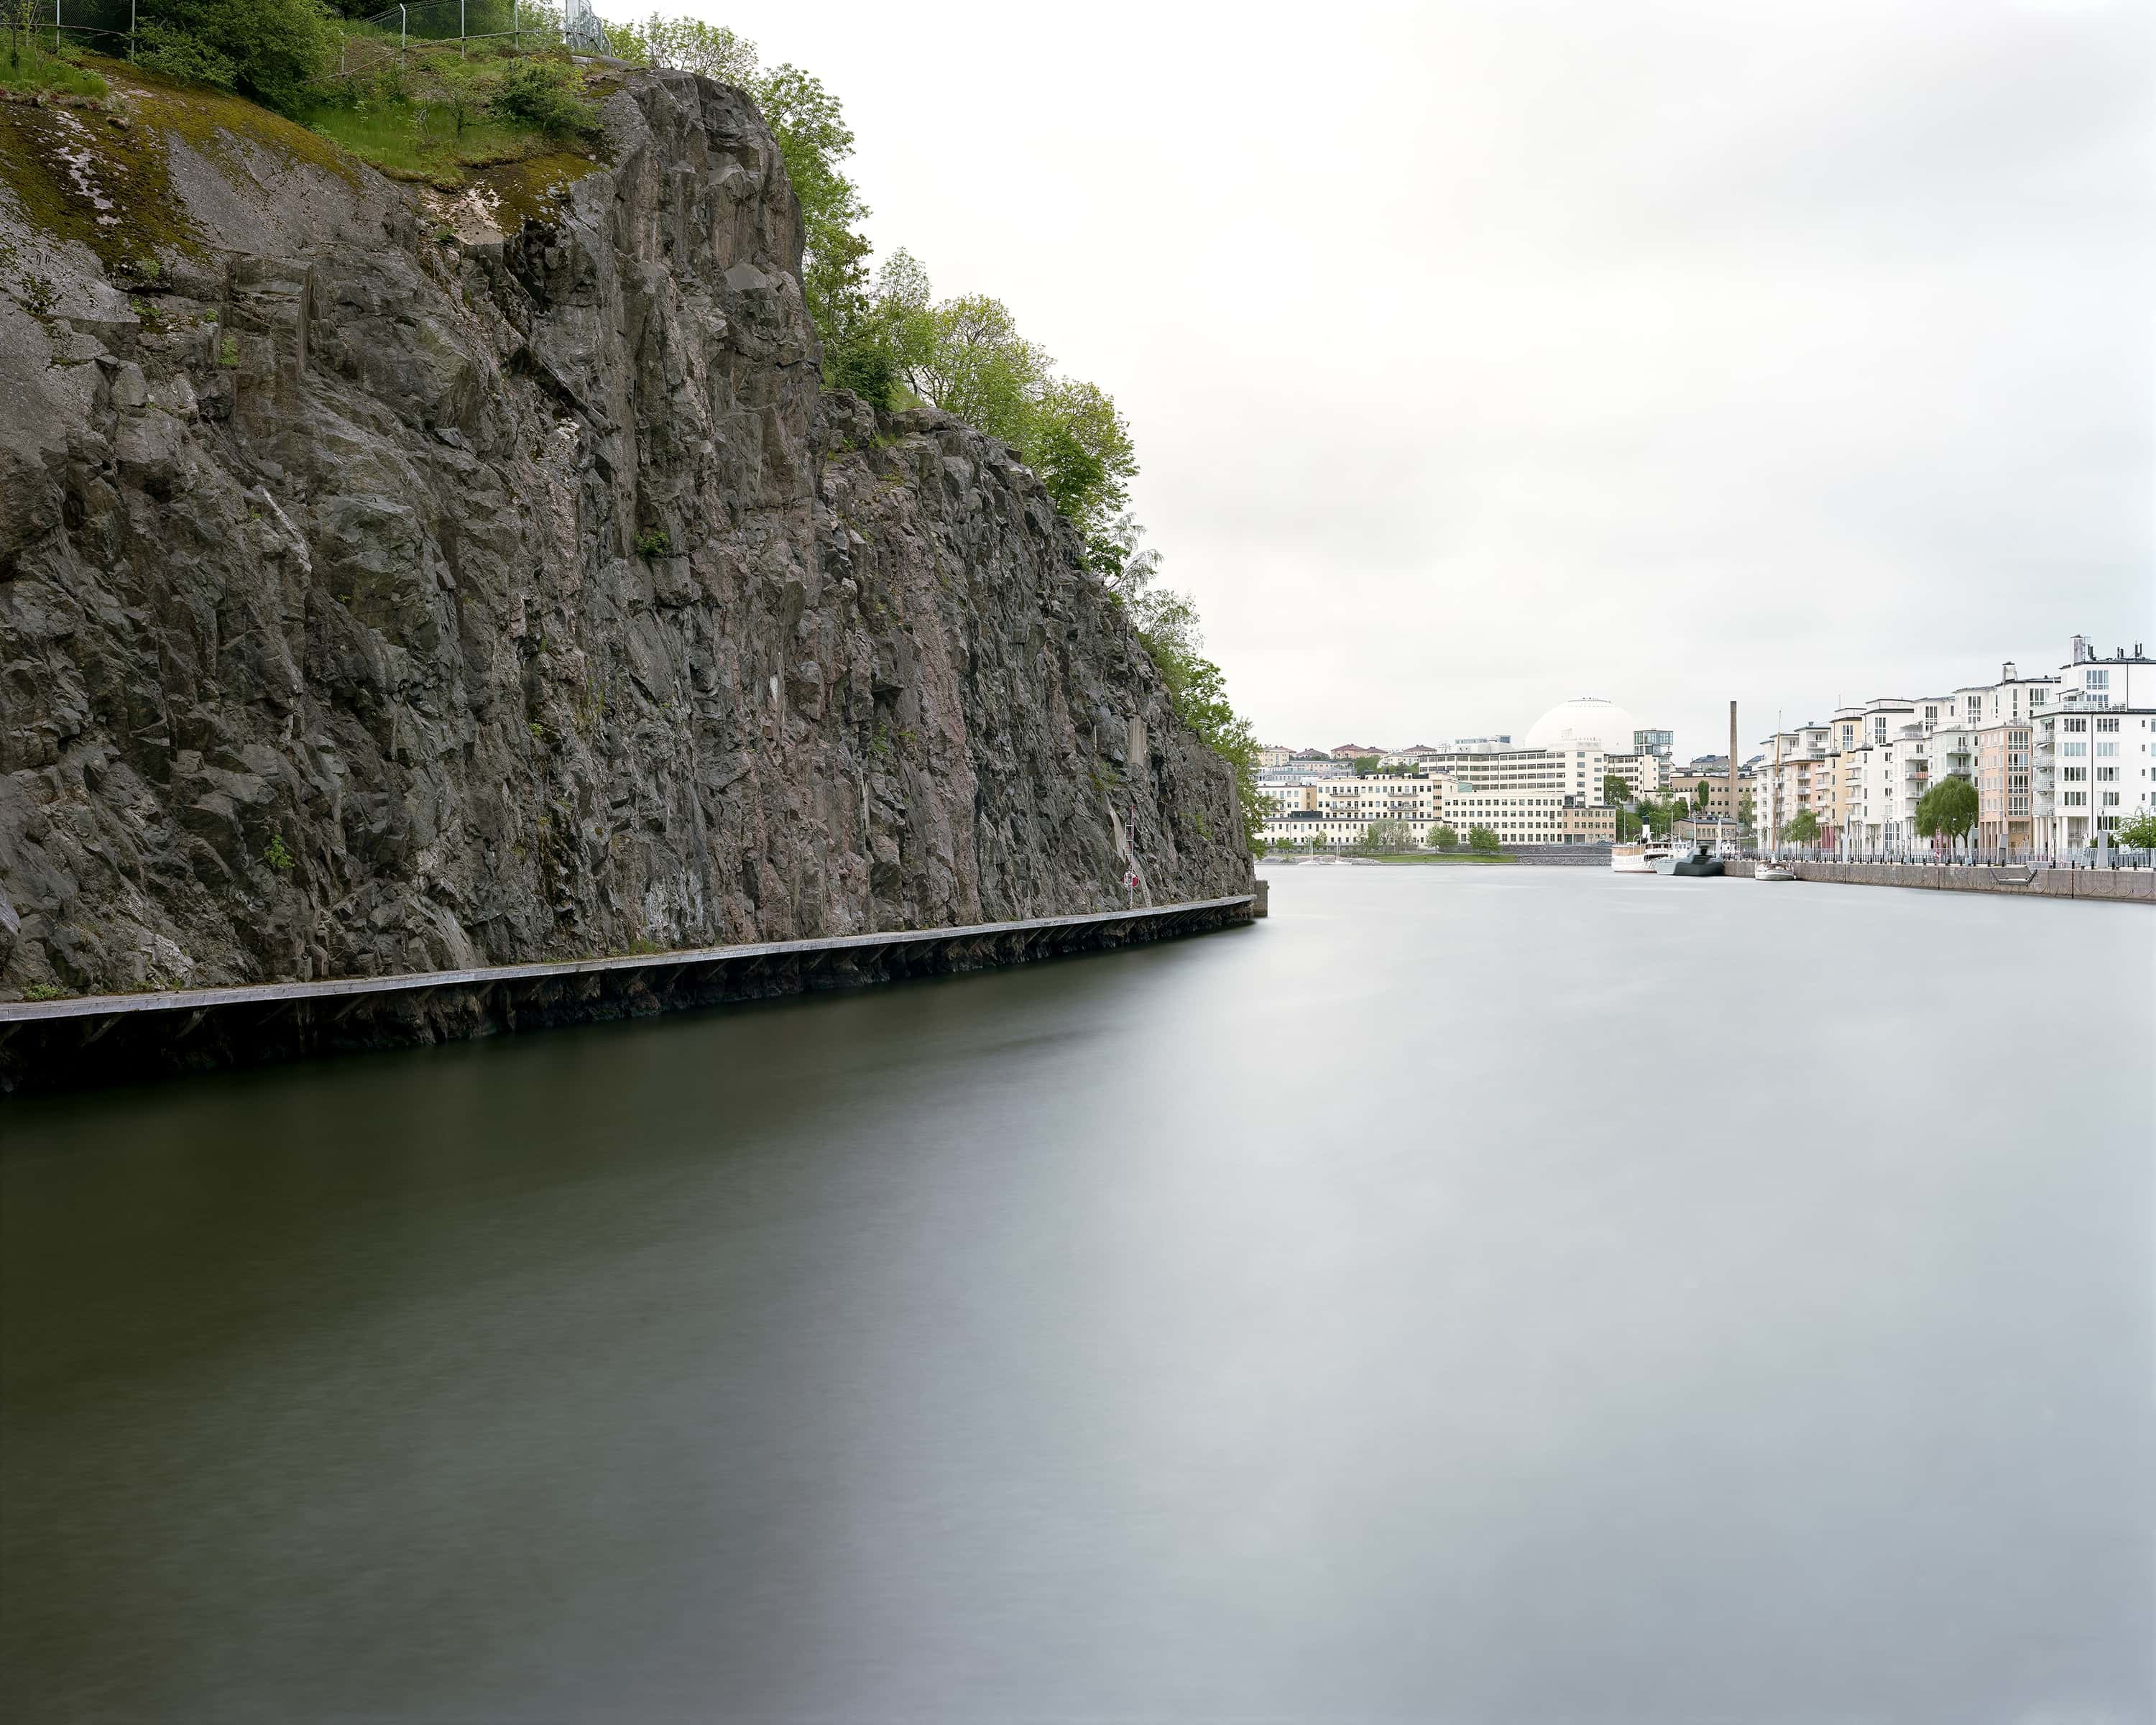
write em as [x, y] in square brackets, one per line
[2080, 650]
[2006, 671]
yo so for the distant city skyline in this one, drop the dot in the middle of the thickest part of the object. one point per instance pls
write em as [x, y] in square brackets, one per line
[1752, 722]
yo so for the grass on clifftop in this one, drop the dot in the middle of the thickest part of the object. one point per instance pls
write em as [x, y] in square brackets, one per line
[436, 116]
[29, 68]
[406, 142]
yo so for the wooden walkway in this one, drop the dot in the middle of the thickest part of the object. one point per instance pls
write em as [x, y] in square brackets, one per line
[93, 1039]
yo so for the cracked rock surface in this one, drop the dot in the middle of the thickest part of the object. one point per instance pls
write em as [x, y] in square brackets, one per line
[374, 601]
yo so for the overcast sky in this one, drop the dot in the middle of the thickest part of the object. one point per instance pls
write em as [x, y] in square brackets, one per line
[1483, 355]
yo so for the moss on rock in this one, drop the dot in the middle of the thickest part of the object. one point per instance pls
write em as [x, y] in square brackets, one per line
[76, 177]
[531, 189]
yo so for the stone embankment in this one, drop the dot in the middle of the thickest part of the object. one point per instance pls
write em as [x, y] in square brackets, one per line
[390, 585]
[2110, 886]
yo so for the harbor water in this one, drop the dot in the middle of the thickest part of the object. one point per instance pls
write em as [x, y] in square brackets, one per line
[1481, 1294]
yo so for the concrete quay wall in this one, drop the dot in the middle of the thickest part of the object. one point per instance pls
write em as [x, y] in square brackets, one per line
[2114, 886]
[97, 1040]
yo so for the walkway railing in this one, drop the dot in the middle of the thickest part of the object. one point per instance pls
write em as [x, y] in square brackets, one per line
[1921, 855]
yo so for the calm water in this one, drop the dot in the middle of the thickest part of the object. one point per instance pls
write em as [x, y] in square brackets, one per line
[1515, 1296]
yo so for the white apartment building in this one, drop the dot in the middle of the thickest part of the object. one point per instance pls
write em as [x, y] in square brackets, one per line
[1797, 772]
[1516, 814]
[1341, 810]
[2094, 752]
[1645, 773]
[1496, 766]
[2022, 740]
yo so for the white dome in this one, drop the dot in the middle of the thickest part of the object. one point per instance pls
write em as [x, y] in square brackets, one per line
[1588, 720]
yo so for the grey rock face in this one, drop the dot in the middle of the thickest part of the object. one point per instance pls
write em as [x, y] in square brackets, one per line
[370, 603]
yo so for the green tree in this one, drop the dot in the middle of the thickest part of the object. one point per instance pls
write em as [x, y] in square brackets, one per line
[267, 50]
[1802, 828]
[2139, 833]
[1443, 838]
[1079, 444]
[979, 367]
[1167, 625]
[1482, 841]
[459, 88]
[545, 93]
[1948, 810]
[20, 17]
[967, 355]
[1387, 836]
[1614, 791]
[688, 44]
[814, 139]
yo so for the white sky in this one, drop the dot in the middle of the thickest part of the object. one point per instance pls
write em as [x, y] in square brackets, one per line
[1482, 355]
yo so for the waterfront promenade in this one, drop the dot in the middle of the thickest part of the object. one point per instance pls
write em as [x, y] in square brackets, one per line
[104, 1039]
[2015, 880]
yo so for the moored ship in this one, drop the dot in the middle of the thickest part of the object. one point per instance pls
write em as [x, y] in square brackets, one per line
[1639, 859]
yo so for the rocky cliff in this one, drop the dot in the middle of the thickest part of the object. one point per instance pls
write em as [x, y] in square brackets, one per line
[390, 582]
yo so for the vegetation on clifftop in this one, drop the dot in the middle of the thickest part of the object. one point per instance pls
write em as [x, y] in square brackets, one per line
[29, 64]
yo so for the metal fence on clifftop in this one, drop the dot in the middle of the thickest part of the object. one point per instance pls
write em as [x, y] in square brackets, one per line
[106, 25]
[373, 42]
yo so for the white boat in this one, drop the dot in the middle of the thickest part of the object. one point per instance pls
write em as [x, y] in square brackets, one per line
[1638, 859]
[1771, 871]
